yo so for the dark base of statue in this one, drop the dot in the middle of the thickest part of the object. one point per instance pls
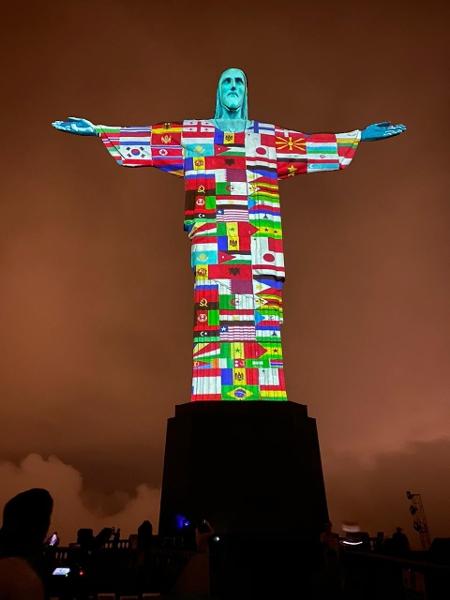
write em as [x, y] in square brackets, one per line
[253, 471]
[244, 467]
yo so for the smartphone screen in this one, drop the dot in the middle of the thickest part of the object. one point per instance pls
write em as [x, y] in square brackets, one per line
[61, 571]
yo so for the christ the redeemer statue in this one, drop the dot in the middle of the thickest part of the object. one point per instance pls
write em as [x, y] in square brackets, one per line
[231, 167]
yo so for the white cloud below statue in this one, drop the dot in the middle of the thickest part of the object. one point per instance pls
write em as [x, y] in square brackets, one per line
[66, 487]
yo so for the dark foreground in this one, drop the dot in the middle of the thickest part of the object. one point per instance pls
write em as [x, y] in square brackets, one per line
[235, 568]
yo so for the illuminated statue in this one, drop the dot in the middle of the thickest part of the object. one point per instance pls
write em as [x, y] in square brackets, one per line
[231, 168]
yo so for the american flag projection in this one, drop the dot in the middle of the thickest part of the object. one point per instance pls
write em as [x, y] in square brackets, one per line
[233, 220]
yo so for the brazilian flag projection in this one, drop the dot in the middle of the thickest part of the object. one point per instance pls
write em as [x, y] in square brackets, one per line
[233, 220]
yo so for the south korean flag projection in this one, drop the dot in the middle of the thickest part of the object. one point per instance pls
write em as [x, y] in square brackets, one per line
[135, 146]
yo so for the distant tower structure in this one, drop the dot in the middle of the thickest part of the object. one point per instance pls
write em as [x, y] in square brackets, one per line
[419, 519]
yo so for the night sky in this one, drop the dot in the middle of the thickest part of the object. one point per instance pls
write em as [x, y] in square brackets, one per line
[95, 285]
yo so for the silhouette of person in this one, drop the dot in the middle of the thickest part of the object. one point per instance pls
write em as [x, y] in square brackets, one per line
[400, 542]
[378, 545]
[144, 558]
[26, 519]
[194, 578]
[145, 535]
[329, 539]
[330, 576]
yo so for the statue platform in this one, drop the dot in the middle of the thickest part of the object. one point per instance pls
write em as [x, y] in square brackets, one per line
[250, 468]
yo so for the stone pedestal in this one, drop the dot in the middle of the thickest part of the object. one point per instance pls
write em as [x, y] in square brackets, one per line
[246, 467]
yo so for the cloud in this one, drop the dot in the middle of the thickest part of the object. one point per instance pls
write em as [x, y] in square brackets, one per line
[73, 506]
[374, 494]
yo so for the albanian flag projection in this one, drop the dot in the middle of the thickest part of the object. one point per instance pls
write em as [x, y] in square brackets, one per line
[233, 220]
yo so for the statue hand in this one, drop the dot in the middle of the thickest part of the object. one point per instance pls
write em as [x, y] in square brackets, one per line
[75, 125]
[380, 131]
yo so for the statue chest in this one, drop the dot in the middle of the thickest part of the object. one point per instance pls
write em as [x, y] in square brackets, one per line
[228, 174]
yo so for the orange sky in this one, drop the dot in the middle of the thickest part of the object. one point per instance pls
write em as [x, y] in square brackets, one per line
[95, 287]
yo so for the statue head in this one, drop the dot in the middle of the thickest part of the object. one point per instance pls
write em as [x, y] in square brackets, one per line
[231, 100]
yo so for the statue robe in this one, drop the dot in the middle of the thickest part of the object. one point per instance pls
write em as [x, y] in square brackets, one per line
[232, 217]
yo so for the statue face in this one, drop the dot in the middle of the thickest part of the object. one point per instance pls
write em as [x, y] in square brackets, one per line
[232, 89]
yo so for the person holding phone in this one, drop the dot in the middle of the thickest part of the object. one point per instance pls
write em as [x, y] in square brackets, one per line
[26, 519]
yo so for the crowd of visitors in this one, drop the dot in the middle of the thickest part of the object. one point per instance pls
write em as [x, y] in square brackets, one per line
[26, 545]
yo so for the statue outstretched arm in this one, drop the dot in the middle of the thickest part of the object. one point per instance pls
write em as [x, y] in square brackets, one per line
[299, 153]
[381, 131]
[151, 146]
